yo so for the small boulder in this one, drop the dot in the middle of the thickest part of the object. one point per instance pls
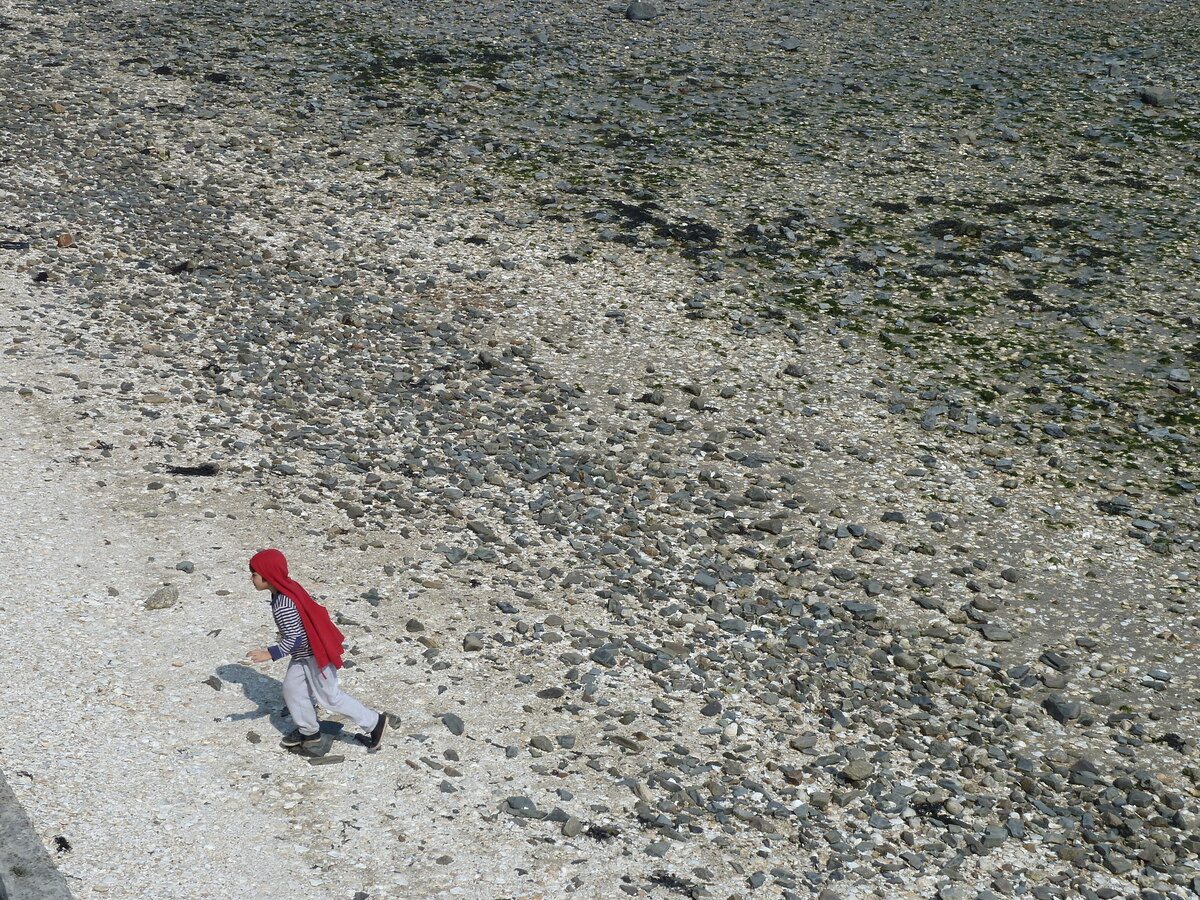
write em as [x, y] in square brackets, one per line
[164, 597]
[473, 642]
[640, 11]
[1061, 709]
[572, 827]
[996, 634]
[858, 770]
[1157, 95]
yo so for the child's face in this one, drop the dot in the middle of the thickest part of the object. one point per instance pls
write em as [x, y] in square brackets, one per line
[260, 583]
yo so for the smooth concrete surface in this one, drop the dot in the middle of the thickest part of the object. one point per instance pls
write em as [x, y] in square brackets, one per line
[26, 872]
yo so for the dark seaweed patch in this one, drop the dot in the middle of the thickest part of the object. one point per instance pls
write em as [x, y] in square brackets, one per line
[957, 227]
[602, 832]
[671, 883]
[204, 469]
[696, 235]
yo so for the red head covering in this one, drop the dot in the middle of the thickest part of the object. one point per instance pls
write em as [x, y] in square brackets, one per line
[323, 636]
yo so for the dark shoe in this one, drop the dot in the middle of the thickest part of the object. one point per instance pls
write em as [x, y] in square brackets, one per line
[375, 738]
[295, 738]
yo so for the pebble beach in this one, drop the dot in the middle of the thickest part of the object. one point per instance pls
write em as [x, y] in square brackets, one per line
[750, 448]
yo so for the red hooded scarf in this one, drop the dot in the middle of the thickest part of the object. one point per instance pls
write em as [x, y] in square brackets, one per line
[323, 636]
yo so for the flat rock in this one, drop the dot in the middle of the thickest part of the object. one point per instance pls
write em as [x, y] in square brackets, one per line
[1157, 95]
[523, 808]
[330, 759]
[1061, 709]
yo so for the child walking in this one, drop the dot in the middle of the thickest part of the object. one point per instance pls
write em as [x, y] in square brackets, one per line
[314, 643]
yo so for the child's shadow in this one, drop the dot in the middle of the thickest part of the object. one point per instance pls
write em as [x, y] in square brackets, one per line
[265, 692]
[267, 695]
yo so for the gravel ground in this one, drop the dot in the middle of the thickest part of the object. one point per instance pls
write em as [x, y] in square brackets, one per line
[751, 448]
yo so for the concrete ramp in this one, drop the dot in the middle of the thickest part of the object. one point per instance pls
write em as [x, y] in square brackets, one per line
[26, 872]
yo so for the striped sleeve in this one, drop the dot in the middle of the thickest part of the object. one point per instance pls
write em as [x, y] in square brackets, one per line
[293, 640]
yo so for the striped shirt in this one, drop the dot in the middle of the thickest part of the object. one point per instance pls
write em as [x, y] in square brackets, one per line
[293, 639]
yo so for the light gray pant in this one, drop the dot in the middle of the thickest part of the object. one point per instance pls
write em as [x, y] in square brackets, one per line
[305, 686]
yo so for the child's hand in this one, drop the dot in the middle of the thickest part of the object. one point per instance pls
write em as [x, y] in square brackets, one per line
[259, 656]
